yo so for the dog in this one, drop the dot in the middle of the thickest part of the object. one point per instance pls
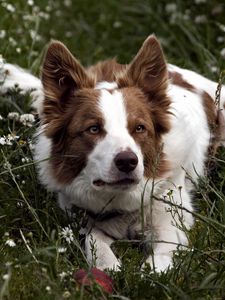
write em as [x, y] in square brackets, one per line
[125, 143]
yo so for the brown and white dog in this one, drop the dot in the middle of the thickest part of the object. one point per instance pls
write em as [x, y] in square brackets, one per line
[119, 141]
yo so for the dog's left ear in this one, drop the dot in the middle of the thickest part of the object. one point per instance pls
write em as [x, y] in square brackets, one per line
[148, 69]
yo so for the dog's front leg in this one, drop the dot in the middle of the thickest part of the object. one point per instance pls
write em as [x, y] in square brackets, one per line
[167, 242]
[98, 251]
[170, 223]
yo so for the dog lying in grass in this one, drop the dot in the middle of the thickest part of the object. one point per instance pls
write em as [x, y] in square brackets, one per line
[124, 143]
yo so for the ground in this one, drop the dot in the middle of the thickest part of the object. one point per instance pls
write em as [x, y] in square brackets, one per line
[39, 252]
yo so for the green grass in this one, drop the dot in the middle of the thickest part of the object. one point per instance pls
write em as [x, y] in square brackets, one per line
[35, 268]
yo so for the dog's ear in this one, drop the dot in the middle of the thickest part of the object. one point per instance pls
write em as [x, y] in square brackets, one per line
[148, 69]
[62, 75]
[61, 72]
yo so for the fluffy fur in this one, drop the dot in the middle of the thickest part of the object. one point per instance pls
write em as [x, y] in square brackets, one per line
[120, 141]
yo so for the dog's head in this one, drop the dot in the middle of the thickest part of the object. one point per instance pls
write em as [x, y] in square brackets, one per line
[106, 122]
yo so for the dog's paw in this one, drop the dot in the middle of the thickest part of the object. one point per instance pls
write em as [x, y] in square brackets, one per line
[159, 262]
[113, 265]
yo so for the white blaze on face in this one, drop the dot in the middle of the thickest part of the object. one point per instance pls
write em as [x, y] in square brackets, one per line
[113, 110]
[101, 160]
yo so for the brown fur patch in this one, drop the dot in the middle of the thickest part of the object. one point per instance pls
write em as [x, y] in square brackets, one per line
[210, 108]
[141, 112]
[73, 143]
[177, 79]
[214, 122]
[106, 70]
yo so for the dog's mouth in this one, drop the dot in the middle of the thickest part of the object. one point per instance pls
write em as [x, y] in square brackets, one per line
[126, 182]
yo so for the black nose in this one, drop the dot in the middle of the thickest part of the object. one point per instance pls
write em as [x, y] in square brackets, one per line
[126, 161]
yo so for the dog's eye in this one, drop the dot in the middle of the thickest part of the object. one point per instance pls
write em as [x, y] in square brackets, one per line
[140, 128]
[94, 129]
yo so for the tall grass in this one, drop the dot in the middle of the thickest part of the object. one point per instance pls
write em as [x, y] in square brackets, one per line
[37, 260]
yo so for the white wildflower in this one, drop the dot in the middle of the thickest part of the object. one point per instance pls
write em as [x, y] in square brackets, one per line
[220, 39]
[2, 141]
[5, 277]
[7, 140]
[10, 8]
[25, 160]
[200, 1]
[7, 165]
[36, 9]
[222, 52]
[68, 34]
[48, 288]
[67, 234]
[62, 249]
[2, 34]
[13, 115]
[30, 234]
[1, 118]
[33, 33]
[201, 19]
[18, 50]
[48, 8]
[12, 41]
[10, 138]
[29, 18]
[44, 16]
[27, 119]
[67, 3]
[117, 24]
[44, 270]
[10, 243]
[221, 27]
[19, 204]
[30, 2]
[66, 295]
[170, 7]
[214, 69]
[62, 275]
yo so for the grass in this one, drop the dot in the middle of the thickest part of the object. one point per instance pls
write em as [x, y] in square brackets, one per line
[36, 261]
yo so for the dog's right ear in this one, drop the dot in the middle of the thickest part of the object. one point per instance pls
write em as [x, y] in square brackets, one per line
[62, 71]
[62, 74]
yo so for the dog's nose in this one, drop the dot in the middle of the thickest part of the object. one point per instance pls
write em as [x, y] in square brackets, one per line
[126, 161]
